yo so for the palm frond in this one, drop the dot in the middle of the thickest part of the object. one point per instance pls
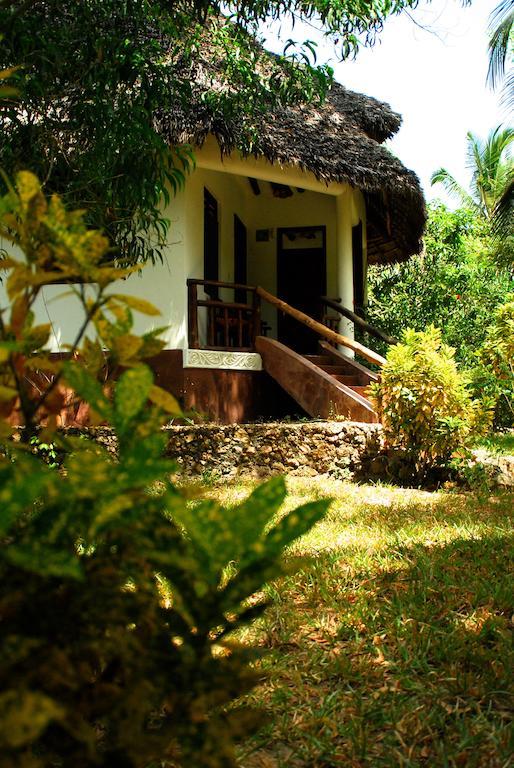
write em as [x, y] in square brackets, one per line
[503, 217]
[489, 162]
[501, 25]
[452, 187]
[474, 163]
[507, 97]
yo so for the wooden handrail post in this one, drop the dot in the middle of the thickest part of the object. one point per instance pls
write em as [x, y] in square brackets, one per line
[225, 327]
[256, 317]
[194, 341]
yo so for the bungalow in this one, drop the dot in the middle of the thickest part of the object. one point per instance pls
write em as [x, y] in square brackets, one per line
[267, 257]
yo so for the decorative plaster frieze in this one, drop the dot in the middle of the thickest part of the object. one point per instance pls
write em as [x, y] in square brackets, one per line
[229, 361]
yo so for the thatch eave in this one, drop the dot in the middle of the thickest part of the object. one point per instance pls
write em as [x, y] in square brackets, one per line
[338, 141]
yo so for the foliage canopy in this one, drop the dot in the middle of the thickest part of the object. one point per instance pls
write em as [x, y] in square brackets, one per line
[495, 375]
[454, 284]
[95, 76]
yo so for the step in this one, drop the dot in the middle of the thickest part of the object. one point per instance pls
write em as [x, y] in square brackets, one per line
[318, 359]
[336, 370]
[350, 381]
[360, 391]
[321, 396]
[340, 370]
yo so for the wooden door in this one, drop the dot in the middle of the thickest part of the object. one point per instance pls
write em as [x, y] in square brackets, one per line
[301, 280]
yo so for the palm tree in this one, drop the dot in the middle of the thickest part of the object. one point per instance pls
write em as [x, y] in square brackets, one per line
[501, 68]
[501, 49]
[492, 168]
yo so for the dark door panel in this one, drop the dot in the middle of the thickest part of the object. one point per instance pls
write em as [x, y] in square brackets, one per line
[240, 258]
[301, 280]
[210, 242]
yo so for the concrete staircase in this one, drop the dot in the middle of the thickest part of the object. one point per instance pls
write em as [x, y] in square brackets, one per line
[326, 385]
[343, 369]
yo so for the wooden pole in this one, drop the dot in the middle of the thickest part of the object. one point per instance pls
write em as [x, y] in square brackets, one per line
[256, 317]
[321, 329]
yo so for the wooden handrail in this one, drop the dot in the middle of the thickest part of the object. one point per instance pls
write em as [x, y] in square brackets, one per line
[221, 284]
[357, 320]
[223, 304]
[321, 329]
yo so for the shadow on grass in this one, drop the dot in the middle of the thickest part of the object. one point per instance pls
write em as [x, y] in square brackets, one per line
[405, 660]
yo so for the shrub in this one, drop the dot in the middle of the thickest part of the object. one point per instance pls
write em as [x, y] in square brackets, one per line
[424, 401]
[118, 596]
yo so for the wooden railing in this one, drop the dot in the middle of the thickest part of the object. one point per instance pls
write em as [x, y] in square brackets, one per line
[234, 325]
[358, 320]
[231, 325]
[320, 329]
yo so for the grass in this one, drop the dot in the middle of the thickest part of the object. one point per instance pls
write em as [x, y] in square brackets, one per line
[394, 647]
[500, 444]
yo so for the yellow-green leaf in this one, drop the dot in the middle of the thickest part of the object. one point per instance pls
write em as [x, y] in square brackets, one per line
[17, 281]
[140, 305]
[28, 186]
[86, 387]
[132, 392]
[126, 346]
[24, 716]
[43, 363]
[7, 393]
[9, 72]
[165, 400]
[39, 335]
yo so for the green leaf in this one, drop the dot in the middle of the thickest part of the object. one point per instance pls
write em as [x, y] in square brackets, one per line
[294, 525]
[235, 533]
[111, 510]
[251, 516]
[86, 387]
[6, 347]
[130, 396]
[24, 715]
[45, 561]
[16, 494]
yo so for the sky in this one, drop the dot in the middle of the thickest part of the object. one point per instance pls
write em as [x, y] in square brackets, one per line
[430, 66]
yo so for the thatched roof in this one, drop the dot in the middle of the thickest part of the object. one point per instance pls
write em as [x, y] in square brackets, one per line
[338, 141]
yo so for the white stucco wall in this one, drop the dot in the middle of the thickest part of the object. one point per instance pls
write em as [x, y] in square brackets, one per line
[163, 284]
[309, 209]
[232, 198]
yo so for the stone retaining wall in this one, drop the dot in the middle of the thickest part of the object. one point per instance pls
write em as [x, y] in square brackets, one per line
[340, 449]
[345, 450]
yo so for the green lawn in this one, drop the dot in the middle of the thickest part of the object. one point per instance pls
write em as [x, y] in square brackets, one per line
[394, 648]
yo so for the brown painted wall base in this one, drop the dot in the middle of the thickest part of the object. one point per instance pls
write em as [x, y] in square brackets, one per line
[218, 396]
[222, 396]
